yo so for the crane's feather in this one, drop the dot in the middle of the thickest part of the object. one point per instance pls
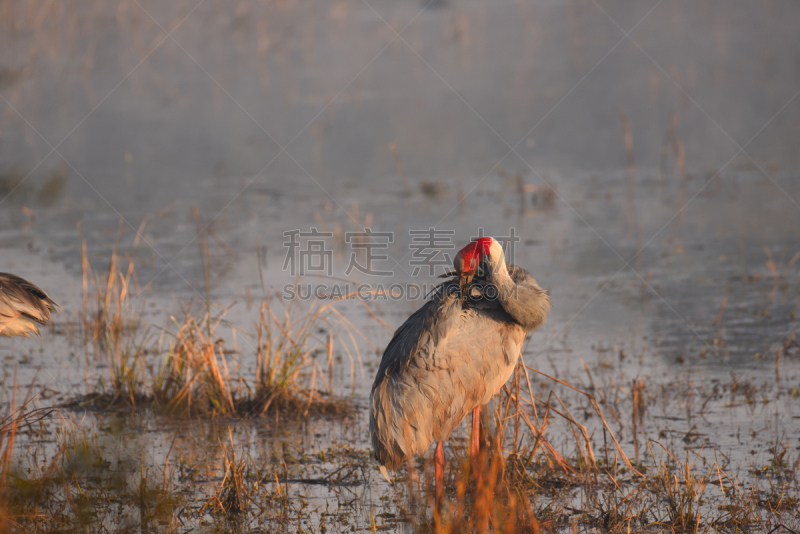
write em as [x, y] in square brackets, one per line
[385, 474]
[23, 306]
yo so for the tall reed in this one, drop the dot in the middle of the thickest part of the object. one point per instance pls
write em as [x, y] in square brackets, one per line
[112, 325]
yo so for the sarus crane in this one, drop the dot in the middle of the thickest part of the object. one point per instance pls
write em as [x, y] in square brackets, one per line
[23, 306]
[452, 355]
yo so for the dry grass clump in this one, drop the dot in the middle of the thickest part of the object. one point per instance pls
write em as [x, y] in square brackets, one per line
[193, 377]
[681, 490]
[195, 380]
[232, 497]
[286, 348]
[112, 325]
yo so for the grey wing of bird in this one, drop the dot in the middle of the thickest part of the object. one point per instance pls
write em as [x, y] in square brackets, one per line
[421, 332]
[406, 401]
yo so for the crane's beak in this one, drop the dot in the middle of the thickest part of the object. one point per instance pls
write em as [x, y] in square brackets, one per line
[463, 282]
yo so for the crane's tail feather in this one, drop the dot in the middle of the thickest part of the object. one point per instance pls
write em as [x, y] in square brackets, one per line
[385, 474]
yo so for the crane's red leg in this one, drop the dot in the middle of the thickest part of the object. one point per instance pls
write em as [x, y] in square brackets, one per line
[475, 441]
[438, 459]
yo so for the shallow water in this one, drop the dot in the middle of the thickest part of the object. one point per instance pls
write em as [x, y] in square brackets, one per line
[278, 117]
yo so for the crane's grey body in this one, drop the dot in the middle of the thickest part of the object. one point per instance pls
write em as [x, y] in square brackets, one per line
[23, 306]
[450, 356]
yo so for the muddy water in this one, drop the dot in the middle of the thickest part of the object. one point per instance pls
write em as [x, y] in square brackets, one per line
[282, 117]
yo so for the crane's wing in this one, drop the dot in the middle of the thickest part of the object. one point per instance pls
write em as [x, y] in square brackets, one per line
[22, 306]
[401, 418]
[427, 327]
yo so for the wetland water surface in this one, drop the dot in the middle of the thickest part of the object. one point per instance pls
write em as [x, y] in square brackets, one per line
[672, 266]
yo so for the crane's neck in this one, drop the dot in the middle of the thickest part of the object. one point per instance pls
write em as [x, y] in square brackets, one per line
[498, 270]
[526, 302]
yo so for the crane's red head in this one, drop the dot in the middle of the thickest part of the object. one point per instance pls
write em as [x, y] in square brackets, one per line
[469, 258]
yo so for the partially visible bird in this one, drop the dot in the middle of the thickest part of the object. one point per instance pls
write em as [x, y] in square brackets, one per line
[452, 355]
[23, 306]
